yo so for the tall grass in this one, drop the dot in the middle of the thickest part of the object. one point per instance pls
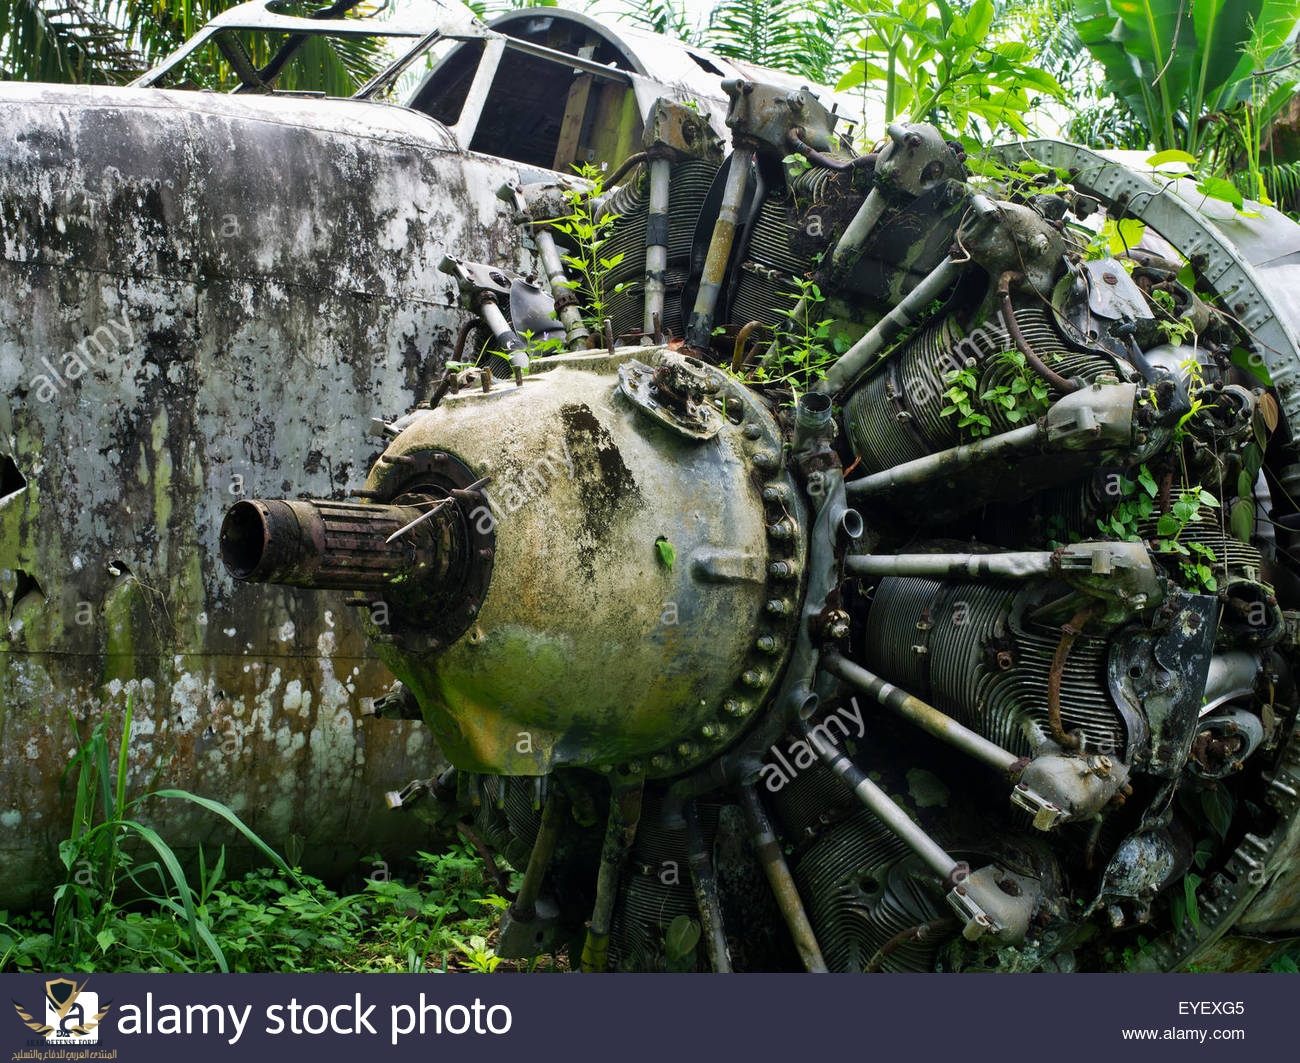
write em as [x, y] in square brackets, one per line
[127, 901]
[99, 853]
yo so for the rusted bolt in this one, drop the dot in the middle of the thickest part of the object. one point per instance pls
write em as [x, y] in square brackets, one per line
[836, 625]
[782, 529]
[782, 570]
[765, 459]
[768, 644]
[777, 607]
[1238, 308]
[735, 707]
[685, 749]
[708, 731]
[1005, 660]
[753, 678]
[752, 431]
[1109, 277]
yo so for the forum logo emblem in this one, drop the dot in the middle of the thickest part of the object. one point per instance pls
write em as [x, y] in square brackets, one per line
[72, 1016]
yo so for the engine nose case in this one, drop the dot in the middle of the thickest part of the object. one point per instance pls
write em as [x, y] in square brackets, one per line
[643, 588]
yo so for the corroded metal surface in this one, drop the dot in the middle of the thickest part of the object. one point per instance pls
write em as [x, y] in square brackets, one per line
[203, 296]
[627, 584]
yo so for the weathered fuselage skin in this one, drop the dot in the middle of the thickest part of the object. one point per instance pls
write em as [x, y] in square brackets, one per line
[201, 296]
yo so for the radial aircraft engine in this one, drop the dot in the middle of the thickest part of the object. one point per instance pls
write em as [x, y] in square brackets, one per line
[900, 576]
[206, 295]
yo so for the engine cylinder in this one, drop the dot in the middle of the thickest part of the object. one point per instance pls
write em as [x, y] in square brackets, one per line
[969, 650]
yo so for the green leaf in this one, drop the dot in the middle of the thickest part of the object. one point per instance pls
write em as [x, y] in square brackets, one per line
[1123, 235]
[198, 931]
[1190, 882]
[667, 553]
[979, 21]
[1221, 189]
[1148, 481]
[1222, 27]
[1147, 49]
[1252, 460]
[1274, 22]
[1164, 158]
[1168, 525]
[853, 77]
[1241, 519]
[225, 813]
[681, 937]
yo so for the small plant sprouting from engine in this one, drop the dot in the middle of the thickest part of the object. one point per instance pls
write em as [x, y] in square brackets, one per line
[963, 386]
[1195, 559]
[1137, 502]
[1022, 397]
[589, 232]
[806, 347]
[1174, 329]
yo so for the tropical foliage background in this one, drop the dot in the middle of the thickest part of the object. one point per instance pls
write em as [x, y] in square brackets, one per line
[1214, 79]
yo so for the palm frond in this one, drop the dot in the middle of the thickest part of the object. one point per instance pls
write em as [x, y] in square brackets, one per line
[65, 41]
[789, 35]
